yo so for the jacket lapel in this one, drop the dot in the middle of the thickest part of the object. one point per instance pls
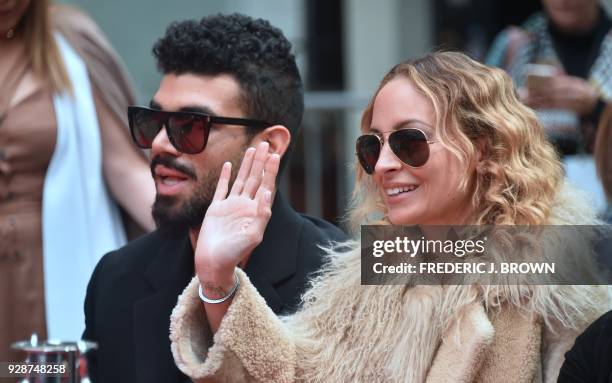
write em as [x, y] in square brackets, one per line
[476, 348]
[168, 274]
[274, 260]
[463, 349]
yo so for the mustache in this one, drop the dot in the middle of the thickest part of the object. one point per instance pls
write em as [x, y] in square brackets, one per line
[171, 163]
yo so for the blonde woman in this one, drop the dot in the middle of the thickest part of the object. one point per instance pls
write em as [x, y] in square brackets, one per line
[66, 162]
[445, 141]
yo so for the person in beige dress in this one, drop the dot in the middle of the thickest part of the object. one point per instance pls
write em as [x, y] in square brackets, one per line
[33, 72]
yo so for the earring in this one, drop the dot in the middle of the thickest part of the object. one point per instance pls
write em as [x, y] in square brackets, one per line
[10, 33]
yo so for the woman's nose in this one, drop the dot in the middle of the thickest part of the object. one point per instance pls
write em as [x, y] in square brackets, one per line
[387, 161]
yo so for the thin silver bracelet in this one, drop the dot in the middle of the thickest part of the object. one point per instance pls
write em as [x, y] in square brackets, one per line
[220, 300]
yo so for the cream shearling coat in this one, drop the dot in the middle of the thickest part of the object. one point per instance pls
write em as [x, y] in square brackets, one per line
[346, 332]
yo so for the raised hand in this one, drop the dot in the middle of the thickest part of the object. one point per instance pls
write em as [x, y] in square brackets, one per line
[564, 92]
[234, 223]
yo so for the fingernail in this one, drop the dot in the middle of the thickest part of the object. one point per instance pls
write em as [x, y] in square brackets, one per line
[268, 196]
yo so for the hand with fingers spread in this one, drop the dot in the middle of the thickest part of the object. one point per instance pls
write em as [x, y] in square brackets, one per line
[235, 223]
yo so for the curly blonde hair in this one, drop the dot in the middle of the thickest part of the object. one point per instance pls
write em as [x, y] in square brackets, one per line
[476, 106]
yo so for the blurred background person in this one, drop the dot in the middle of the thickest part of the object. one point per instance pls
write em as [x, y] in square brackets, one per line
[603, 158]
[560, 60]
[603, 161]
[66, 161]
[570, 42]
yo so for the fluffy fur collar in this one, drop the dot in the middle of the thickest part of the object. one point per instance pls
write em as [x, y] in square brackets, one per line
[348, 332]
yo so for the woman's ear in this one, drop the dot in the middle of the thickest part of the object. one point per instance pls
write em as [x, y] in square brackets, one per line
[277, 136]
[481, 155]
[482, 150]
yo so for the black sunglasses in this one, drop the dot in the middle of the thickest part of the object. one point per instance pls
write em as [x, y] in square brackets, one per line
[410, 145]
[187, 131]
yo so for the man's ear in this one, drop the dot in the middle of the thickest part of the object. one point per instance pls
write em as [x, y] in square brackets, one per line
[277, 136]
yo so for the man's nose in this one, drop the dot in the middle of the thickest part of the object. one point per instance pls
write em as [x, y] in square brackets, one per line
[161, 144]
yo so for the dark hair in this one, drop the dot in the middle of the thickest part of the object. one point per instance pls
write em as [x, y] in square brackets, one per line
[254, 52]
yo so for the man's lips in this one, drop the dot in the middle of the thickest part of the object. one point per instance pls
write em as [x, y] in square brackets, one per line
[169, 181]
[162, 166]
[162, 171]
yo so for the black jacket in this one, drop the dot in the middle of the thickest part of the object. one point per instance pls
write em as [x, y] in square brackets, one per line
[133, 290]
[590, 359]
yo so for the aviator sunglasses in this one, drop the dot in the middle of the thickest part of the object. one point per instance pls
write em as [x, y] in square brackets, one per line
[187, 131]
[410, 145]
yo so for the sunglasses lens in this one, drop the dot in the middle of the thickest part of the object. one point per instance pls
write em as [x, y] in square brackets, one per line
[368, 151]
[189, 133]
[410, 146]
[144, 126]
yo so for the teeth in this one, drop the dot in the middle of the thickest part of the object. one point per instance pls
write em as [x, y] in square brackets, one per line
[170, 181]
[403, 189]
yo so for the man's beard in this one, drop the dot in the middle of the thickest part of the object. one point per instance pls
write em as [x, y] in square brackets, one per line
[173, 217]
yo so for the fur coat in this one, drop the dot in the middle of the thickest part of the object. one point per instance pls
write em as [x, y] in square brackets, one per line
[346, 332]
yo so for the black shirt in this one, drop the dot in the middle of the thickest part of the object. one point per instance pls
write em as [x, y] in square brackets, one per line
[578, 52]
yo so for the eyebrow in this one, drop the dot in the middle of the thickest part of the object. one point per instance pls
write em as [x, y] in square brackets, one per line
[405, 124]
[189, 108]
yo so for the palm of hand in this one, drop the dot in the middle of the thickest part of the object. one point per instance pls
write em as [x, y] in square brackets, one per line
[234, 224]
[231, 229]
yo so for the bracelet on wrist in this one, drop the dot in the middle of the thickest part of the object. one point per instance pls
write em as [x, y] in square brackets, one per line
[220, 300]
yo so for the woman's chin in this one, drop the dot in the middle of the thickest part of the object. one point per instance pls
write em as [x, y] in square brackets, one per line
[403, 219]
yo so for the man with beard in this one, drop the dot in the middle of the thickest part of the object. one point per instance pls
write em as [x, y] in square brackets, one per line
[229, 83]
